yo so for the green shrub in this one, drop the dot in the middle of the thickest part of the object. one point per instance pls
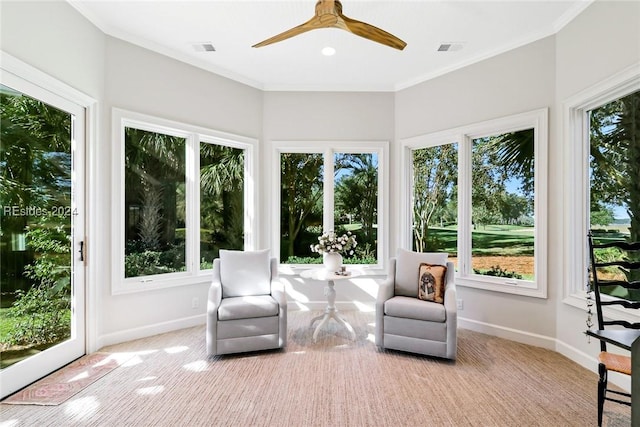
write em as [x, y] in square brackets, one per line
[496, 271]
[41, 316]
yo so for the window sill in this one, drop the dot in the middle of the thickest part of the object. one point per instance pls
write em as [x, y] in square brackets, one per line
[579, 300]
[367, 269]
[153, 283]
[509, 286]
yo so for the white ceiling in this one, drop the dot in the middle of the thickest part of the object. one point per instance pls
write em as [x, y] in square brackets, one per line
[482, 28]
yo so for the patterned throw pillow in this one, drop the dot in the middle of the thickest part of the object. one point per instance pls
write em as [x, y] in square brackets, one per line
[431, 282]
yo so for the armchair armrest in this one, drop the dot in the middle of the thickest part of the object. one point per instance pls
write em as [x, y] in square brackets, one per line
[278, 293]
[385, 292]
[215, 290]
[213, 302]
[451, 309]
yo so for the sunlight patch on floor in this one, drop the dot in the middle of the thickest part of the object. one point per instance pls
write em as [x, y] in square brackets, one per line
[83, 408]
[151, 378]
[80, 376]
[149, 391]
[136, 359]
[176, 349]
[197, 366]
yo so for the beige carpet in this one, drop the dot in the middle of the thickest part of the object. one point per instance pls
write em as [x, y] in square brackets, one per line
[335, 382]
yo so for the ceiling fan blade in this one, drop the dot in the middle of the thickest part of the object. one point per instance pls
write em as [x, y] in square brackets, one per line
[370, 32]
[311, 24]
[329, 14]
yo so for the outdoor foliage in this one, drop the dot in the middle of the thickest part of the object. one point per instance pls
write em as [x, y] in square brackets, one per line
[154, 202]
[35, 195]
[355, 203]
[615, 166]
[42, 316]
[501, 191]
[496, 271]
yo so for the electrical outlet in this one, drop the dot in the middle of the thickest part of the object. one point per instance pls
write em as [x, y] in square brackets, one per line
[459, 304]
[195, 302]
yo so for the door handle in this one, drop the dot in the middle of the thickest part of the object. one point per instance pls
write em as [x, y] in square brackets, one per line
[81, 250]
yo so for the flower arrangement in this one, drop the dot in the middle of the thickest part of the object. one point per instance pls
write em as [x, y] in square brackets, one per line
[331, 242]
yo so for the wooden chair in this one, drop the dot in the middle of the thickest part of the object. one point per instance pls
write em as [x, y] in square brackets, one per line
[623, 292]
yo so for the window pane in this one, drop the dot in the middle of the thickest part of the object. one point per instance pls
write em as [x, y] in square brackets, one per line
[35, 224]
[356, 203]
[435, 200]
[503, 205]
[614, 172]
[155, 203]
[301, 192]
[221, 201]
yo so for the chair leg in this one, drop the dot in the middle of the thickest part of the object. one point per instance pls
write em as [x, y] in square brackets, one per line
[602, 389]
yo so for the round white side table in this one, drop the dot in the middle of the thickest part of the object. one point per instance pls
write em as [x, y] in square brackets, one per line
[330, 312]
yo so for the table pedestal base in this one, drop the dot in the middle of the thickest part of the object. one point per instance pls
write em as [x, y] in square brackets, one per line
[330, 313]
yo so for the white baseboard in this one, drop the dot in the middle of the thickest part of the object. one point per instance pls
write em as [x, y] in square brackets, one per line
[147, 331]
[508, 333]
[591, 363]
[572, 353]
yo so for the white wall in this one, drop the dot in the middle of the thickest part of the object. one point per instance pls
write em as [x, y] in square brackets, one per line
[514, 82]
[600, 42]
[145, 82]
[54, 38]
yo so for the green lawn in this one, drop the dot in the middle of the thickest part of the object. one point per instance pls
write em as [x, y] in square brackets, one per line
[488, 240]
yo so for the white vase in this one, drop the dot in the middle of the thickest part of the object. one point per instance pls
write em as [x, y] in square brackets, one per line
[332, 261]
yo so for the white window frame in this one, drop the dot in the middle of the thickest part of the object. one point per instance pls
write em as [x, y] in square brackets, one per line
[328, 149]
[464, 136]
[576, 184]
[193, 135]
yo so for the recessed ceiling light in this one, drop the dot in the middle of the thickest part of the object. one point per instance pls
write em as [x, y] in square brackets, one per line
[328, 51]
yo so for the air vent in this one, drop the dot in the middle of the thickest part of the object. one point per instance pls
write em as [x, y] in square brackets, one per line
[450, 47]
[204, 47]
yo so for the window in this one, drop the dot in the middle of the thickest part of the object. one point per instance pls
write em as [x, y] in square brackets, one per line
[222, 201]
[502, 204]
[478, 193]
[184, 194]
[603, 173]
[435, 199]
[614, 179]
[324, 188]
[154, 203]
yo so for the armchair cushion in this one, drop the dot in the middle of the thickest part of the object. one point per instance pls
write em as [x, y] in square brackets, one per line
[244, 273]
[431, 282]
[408, 264]
[413, 308]
[247, 307]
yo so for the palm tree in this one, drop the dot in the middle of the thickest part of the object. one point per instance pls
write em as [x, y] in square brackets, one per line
[301, 196]
[221, 198]
[356, 194]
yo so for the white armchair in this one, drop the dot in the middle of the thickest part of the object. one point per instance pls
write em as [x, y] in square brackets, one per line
[408, 323]
[247, 305]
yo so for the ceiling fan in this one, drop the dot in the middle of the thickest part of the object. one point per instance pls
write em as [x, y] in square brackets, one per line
[329, 15]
